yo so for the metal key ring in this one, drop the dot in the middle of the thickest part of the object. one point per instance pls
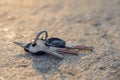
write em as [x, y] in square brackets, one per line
[39, 33]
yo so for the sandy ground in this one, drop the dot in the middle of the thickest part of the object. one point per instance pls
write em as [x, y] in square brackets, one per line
[87, 22]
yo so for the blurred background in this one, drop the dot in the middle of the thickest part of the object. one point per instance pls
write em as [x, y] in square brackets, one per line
[86, 22]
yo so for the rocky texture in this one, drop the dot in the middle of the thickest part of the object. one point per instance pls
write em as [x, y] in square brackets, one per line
[87, 22]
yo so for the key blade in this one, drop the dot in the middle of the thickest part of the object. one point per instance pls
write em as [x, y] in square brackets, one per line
[21, 44]
[84, 48]
[79, 47]
[68, 51]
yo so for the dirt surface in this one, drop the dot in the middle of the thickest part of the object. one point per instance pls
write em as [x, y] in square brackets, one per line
[87, 22]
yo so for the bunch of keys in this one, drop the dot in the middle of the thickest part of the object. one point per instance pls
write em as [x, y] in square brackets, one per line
[52, 46]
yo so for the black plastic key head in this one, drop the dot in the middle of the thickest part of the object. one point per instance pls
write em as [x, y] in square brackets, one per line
[55, 42]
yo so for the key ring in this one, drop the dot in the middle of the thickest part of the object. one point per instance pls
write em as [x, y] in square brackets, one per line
[39, 33]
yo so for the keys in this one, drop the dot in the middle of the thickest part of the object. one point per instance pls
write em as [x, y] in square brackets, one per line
[39, 48]
[51, 46]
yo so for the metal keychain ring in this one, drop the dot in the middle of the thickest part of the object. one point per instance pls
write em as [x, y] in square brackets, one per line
[39, 33]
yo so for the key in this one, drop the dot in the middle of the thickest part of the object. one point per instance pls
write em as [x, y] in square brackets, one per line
[38, 48]
[56, 42]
